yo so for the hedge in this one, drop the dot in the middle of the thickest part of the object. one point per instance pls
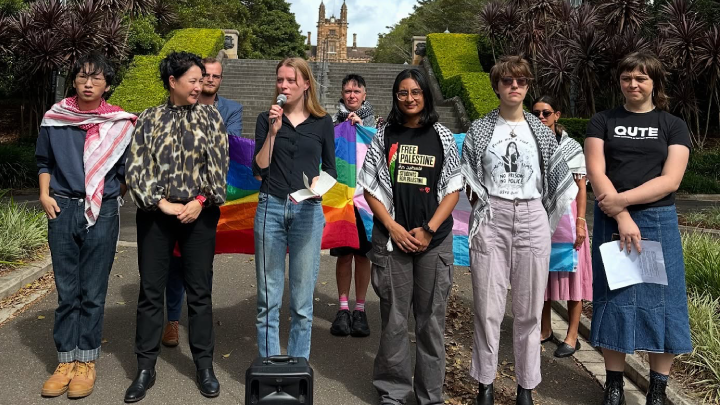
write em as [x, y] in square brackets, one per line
[575, 127]
[703, 173]
[475, 91]
[452, 54]
[200, 41]
[142, 88]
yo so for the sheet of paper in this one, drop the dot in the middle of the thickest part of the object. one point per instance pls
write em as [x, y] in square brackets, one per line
[623, 269]
[322, 186]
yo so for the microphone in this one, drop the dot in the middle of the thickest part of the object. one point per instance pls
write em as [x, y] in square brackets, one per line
[281, 100]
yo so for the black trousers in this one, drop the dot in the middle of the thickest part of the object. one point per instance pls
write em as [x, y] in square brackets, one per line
[157, 235]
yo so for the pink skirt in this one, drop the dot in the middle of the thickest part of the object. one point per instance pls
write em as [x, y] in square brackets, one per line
[572, 286]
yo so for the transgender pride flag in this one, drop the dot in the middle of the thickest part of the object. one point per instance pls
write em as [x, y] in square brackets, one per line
[235, 229]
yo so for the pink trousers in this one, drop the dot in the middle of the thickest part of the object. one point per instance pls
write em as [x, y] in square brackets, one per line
[512, 249]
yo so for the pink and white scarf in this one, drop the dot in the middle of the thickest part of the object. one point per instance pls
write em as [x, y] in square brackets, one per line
[109, 131]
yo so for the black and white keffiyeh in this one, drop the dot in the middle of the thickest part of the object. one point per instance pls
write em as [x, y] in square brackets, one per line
[375, 174]
[365, 112]
[573, 154]
[559, 188]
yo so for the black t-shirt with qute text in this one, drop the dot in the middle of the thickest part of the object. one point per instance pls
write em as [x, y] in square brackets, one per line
[636, 146]
[415, 159]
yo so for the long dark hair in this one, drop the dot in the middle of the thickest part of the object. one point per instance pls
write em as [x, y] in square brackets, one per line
[429, 115]
[651, 66]
[550, 100]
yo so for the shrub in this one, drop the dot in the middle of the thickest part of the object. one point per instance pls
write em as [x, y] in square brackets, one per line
[453, 54]
[142, 38]
[702, 255]
[475, 91]
[23, 230]
[141, 87]
[200, 41]
[576, 128]
[17, 166]
[703, 364]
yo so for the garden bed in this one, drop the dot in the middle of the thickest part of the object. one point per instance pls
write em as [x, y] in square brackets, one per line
[23, 233]
[709, 218]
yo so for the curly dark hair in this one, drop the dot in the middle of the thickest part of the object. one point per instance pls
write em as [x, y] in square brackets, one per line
[96, 63]
[176, 64]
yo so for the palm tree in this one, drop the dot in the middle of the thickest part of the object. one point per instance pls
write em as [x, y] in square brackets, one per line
[627, 15]
[709, 62]
[491, 23]
[586, 51]
[556, 74]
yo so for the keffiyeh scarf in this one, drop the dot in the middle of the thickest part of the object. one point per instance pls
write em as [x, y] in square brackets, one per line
[365, 111]
[375, 174]
[559, 189]
[573, 154]
[109, 131]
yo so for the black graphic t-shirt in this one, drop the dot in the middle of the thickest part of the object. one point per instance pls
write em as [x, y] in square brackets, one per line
[415, 159]
[636, 146]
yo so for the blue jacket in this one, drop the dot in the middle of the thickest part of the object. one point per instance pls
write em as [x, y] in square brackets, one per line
[231, 113]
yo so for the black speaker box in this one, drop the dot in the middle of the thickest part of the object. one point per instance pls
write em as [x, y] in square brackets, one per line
[279, 380]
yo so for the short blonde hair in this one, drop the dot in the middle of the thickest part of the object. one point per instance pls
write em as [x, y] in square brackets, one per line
[510, 65]
[301, 67]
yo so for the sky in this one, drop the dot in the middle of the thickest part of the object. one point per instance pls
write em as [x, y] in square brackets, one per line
[366, 18]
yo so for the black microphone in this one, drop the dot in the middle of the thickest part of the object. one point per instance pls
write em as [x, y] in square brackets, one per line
[281, 100]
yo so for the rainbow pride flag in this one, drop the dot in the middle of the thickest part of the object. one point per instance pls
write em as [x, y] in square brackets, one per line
[235, 228]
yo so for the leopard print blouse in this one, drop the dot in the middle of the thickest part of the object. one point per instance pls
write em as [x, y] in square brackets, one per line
[178, 153]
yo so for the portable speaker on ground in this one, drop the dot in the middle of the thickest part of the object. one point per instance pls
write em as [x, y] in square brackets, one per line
[279, 380]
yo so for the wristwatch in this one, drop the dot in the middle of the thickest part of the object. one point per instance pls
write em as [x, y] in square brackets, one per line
[426, 227]
[201, 199]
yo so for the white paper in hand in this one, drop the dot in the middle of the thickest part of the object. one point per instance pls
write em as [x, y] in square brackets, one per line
[324, 183]
[623, 269]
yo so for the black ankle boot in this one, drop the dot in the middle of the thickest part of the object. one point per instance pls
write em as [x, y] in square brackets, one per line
[656, 392]
[485, 395]
[524, 396]
[614, 392]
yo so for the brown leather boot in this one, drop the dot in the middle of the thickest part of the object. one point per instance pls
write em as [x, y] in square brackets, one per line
[57, 384]
[171, 336]
[84, 381]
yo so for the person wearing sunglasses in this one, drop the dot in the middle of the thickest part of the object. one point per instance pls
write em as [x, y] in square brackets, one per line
[411, 177]
[515, 210]
[570, 276]
[636, 158]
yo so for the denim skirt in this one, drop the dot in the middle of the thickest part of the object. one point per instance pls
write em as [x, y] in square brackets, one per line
[645, 317]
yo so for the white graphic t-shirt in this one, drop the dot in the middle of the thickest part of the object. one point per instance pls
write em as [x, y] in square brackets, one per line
[511, 163]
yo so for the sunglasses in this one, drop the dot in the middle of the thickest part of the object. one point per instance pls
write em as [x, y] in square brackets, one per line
[508, 81]
[544, 113]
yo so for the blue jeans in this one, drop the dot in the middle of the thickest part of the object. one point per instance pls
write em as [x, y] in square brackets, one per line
[297, 229]
[82, 259]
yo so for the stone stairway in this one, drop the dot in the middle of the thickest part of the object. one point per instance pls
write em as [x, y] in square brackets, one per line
[252, 83]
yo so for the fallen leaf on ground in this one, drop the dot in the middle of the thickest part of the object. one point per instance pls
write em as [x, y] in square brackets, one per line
[120, 302]
[41, 317]
[225, 356]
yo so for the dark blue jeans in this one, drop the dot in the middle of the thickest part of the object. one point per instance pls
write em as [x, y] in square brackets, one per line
[82, 259]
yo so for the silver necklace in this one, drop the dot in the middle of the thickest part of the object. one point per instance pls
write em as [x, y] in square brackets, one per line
[512, 128]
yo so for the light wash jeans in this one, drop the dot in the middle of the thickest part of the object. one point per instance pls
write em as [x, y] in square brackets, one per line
[297, 229]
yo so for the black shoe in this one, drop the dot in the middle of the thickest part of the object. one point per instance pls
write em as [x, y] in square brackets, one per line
[485, 395]
[614, 393]
[656, 392]
[360, 327]
[524, 396]
[342, 323]
[142, 382]
[549, 338]
[565, 350]
[207, 382]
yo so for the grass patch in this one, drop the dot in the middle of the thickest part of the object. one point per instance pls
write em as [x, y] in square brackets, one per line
[702, 257]
[17, 166]
[23, 231]
[709, 218]
[702, 366]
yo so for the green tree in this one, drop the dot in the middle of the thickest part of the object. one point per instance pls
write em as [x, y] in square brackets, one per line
[222, 14]
[275, 32]
[458, 16]
[10, 7]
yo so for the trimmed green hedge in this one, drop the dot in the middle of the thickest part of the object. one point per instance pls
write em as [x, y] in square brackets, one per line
[142, 88]
[200, 41]
[454, 59]
[703, 173]
[475, 91]
[575, 127]
[453, 54]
